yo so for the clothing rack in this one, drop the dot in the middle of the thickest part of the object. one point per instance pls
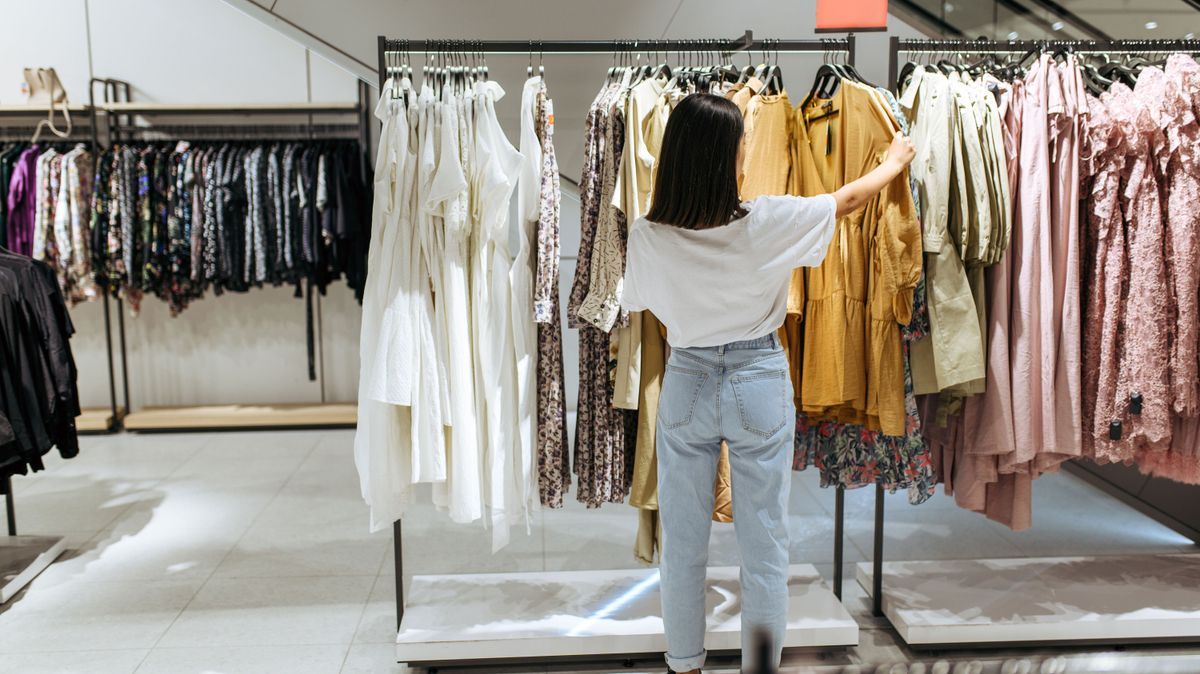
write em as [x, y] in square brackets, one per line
[92, 420]
[117, 115]
[914, 576]
[440, 645]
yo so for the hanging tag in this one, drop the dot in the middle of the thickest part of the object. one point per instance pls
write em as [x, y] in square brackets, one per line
[1114, 430]
[550, 115]
[1135, 403]
[828, 139]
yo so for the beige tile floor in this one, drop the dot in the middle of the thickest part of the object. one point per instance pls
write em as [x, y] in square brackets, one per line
[248, 552]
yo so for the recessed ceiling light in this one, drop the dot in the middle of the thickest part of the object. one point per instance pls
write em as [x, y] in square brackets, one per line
[1151, 25]
[1190, 36]
[1058, 25]
[948, 7]
[1014, 35]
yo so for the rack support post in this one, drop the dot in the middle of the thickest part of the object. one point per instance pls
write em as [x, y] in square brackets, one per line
[9, 505]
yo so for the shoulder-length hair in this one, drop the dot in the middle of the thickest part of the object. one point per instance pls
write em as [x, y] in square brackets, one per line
[696, 182]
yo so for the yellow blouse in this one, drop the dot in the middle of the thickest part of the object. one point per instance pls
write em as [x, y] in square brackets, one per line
[852, 365]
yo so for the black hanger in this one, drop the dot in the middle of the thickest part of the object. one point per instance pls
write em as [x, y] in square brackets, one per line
[1093, 81]
[905, 74]
[826, 83]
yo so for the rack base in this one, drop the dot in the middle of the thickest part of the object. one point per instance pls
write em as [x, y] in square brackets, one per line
[95, 420]
[22, 558]
[599, 614]
[1038, 601]
[225, 417]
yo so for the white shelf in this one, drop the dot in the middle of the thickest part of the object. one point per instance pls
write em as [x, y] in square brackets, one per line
[590, 613]
[22, 558]
[1042, 600]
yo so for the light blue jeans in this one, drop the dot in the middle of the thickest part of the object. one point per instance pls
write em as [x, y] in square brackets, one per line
[739, 393]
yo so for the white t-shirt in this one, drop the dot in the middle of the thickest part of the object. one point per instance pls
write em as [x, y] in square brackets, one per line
[726, 284]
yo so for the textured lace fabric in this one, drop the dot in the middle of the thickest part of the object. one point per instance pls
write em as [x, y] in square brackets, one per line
[1181, 91]
[1145, 346]
[1104, 273]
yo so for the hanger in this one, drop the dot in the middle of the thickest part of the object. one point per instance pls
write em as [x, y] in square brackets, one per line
[663, 71]
[774, 83]
[826, 82]
[905, 73]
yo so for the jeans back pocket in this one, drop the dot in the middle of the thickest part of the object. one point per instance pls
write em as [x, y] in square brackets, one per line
[680, 393]
[762, 400]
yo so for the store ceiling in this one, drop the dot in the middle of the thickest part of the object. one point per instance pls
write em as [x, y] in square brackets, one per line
[1071, 19]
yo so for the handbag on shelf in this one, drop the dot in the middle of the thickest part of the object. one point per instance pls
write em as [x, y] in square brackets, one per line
[45, 87]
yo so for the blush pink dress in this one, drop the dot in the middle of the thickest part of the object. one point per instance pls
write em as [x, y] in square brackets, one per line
[1032, 376]
[1068, 124]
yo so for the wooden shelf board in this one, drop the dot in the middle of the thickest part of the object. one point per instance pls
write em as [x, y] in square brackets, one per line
[94, 420]
[265, 415]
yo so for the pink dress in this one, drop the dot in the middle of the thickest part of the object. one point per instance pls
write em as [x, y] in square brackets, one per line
[1032, 378]
[1068, 123]
[1175, 95]
[1145, 348]
[1104, 275]
[1179, 117]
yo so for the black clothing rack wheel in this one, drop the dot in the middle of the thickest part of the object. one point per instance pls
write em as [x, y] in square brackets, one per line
[899, 46]
[389, 49]
[234, 121]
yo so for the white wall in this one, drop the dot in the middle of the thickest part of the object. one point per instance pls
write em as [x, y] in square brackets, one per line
[237, 347]
[251, 348]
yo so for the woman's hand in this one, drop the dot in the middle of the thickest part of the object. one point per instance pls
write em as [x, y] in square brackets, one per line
[901, 151]
[854, 194]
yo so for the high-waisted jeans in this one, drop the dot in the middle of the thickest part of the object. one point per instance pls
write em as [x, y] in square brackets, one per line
[739, 393]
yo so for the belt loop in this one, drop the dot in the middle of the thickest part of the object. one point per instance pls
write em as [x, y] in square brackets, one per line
[721, 350]
[775, 340]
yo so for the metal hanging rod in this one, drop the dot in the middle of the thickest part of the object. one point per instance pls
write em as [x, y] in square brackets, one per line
[246, 134]
[742, 43]
[996, 46]
[228, 108]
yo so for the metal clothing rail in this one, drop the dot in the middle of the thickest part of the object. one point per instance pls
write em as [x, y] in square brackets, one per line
[745, 42]
[900, 46]
[922, 46]
[390, 47]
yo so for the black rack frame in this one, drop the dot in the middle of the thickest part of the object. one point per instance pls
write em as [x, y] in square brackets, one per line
[747, 42]
[896, 47]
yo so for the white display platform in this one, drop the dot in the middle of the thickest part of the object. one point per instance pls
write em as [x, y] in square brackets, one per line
[22, 558]
[590, 613]
[1042, 600]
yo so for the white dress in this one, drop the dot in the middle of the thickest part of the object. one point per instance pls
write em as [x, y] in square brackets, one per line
[521, 279]
[495, 177]
[448, 197]
[381, 442]
[429, 417]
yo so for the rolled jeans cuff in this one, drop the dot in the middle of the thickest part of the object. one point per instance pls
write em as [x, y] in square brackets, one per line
[686, 664]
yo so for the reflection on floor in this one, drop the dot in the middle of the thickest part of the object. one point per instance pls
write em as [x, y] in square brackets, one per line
[248, 552]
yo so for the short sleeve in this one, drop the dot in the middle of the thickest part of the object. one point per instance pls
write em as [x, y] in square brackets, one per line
[632, 290]
[798, 229]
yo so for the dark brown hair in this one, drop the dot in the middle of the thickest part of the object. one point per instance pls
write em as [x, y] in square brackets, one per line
[696, 184]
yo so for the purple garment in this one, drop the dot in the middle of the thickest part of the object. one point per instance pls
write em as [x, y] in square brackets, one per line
[22, 202]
